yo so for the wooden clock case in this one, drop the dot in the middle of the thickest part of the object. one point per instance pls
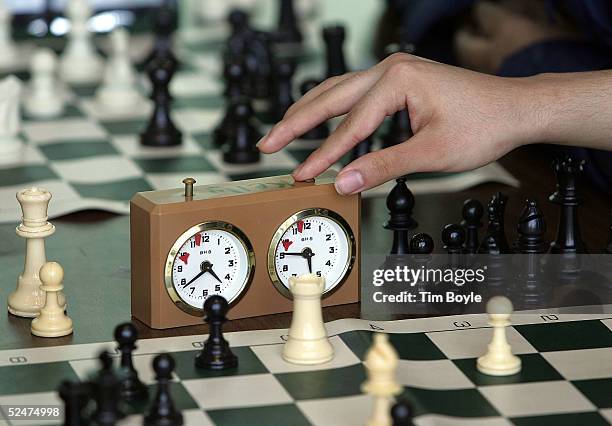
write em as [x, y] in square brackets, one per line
[257, 207]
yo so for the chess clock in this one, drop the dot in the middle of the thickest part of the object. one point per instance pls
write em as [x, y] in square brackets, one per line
[242, 240]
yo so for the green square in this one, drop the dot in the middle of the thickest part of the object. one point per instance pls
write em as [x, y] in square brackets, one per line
[567, 336]
[260, 174]
[332, 383]
[33, 378]
[566, 419]
[122, 190]
[534, 369]
[270, 415]
[77, 149]
[599, 391]
[203, 102]
[84, 91]
[181, 397]
[175, 164]
[409, 346]
[26, 174]
[457, 403]
[248, 363]
[128, 127]
[205, 140]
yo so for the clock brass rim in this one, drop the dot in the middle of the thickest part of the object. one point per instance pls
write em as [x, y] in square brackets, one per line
[183, 238]
[302, 214]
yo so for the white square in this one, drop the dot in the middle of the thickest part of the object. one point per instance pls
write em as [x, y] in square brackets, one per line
[473, 343]
[278, 160]
[437, 420]
[188, 84]
[239, 391]
[69, 129]
[102, 169]
[194, 120]
[174, 180]
[210, 63]
[130, 145]
[349, 411]
[140, 111]
[582, 364]
[41, 398]
[436, 375]
[530, 399]
[27, 155]
[271, 357]
[190, 417]
[607, 413]
[608, 323]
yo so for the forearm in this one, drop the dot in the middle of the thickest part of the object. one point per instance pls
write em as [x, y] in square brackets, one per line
[570, 109]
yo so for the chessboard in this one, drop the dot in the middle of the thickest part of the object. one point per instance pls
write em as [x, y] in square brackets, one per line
[565, 379]
[92, 159]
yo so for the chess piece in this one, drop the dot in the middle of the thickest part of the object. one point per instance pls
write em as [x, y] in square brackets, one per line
[568, 239]
[402, 413]
[307, 342]
[163, 27]
[75, 396]
[9, 53]
[453, 238]
[472, 215]
[499, 360]
[381, 364]
[44, 97]
[233, 74]
[421, 244]
[161, 131]
[27, 300]
[241, 34]
[162, 411]
[260, 70]
[283, 89]
[334, 50]
[106, 394]
[608, 249]
[362, 148]
[216, 353]
[80, 63]
[288, 29]
[421, 248]
[11, 145]
[52, 321]
[531, 229]
[130, 386]
[321, 131]
[400, 203]
[495, 241]
[242, 148]
[118, 91]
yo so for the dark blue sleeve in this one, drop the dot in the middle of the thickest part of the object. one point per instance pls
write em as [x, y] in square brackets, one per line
[593, 17]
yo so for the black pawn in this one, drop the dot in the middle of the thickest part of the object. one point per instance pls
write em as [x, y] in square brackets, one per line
[453, 237]
[472, 212]
[288, 29]
[531, 229]
[400, 203]
[283, 88]
[362, 148]
[161, 131]
[322, 130]
[241, 32]
[568, 239]
[233, 74]
[216, 354]
[495, 241]
[259, 64]
[130, 386]
[106, 392]
[334, 37]
[162, 411]
[75, 396]
[401, 414]
[421, 244]
[241, 148]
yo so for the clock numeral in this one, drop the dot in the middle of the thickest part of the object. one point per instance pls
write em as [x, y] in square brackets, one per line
[307, 225]
[217, 288]
[319, 228]
[328, 237]
[218, 241]
[318, 273]
[281, 255]
[230, 263]
[294, 275]
[294, 231]
[183, 281]
[285, 268]
[192, 289]
[206, 238]
[328, 263]
[179, 268]
[332, 249]
[227, 250]
[227, 277]
[205, 293]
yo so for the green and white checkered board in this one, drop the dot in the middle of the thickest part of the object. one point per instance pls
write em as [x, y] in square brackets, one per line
[566, 376]
[92, 159]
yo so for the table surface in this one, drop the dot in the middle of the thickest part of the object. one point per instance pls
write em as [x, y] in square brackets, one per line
[85, 239]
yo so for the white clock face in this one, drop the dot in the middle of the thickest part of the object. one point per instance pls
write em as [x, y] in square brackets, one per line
[209, 262]
[317, 244]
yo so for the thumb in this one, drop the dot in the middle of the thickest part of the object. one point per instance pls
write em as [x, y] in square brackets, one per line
[376, 168]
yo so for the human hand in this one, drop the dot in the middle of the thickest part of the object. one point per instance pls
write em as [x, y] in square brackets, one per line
[461, 120]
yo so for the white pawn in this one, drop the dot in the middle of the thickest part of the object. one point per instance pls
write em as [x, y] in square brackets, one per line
[11, 146]
[499, 360]
[80, 63]
[52, 320]
[44, 97]
[307, 342]
[9, 54]
[381, 365]
[118, 91]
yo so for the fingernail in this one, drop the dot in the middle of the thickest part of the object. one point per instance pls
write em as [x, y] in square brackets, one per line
[349, 182]
[261, 141]
[297, 170]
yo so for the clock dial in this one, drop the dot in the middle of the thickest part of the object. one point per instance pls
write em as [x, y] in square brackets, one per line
[212, 258]
[315, 241]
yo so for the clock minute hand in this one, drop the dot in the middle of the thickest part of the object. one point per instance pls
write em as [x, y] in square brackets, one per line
[195, 278]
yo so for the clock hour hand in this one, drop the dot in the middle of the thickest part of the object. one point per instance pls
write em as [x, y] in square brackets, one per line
[210, 269]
